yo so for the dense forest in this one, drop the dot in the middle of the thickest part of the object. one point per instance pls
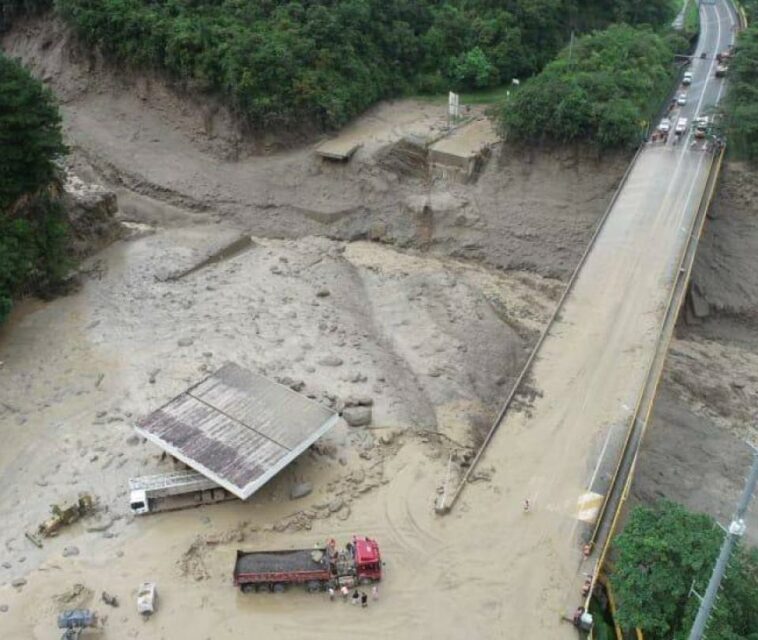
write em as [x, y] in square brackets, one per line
[742, 97]
[663, 552]
[33, 238]
[604, 89]
[324, 61]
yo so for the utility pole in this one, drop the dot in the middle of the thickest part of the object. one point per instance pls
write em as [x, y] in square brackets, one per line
[735, 531]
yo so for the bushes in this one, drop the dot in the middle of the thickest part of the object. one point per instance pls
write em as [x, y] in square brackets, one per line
[323, 61]
[32, 225]
[661, 553]
[603, 90]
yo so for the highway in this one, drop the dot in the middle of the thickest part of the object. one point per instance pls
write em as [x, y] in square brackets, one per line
[594, 369]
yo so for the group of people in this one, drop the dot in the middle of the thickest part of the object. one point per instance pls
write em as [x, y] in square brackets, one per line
[357, 597]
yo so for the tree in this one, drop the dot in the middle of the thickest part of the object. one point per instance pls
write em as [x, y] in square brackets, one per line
[662, 551]
[30, 133]
[32, 224]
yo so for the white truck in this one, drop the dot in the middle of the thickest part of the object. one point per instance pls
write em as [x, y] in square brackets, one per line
[173, 490]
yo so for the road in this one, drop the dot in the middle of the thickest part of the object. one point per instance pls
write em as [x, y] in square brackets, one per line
[592, 368]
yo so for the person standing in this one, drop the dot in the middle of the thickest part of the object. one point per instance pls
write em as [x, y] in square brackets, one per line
[375, 593]
[364, 599]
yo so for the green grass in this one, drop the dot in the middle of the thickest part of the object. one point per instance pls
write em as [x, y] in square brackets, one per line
[692, 18]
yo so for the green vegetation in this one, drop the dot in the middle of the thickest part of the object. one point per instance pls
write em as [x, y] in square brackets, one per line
[32, 224]
[281, 62]
[604, 90]
[691, 25]
[741, 105]
[660, 552]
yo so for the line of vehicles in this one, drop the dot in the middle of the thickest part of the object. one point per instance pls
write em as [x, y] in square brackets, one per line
[702, 125]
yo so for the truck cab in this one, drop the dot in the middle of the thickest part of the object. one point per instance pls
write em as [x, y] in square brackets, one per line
[368, 560]
[138, 502]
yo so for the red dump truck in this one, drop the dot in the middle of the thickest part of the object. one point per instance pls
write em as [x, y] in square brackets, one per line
[317, 568]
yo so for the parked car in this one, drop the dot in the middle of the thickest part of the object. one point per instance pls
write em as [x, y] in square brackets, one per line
[664, 126]
[687, 78]
[681, 126]
[681, 99]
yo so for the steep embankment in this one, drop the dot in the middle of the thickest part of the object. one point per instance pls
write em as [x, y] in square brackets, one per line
[533, 210]
[695, 451]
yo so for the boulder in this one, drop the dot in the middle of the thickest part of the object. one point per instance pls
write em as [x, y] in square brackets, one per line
[300, 490]
[357, 416]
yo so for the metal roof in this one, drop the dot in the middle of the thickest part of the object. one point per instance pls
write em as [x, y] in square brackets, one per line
[237, 428]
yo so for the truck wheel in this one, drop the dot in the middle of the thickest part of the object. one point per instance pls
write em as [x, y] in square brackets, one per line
[278, 587]
[313, 586]
[247, 587]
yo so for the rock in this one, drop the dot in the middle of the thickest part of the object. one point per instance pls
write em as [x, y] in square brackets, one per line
[108, 599]
[330, 361]
[185, 342]
[343, 513]
[388, 437]
[357, 476]
[357, 416]
[323, 293]
[342, 460]
[3, 608]
[359, 401]
[18, 582]
[70, 551]
[336, 504]
[300, 490]
[132, 440]
[101, 525]
[153, 375]
[6, 565]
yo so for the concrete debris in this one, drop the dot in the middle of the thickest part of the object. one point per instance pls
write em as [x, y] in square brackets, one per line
[185, 342]
[70, 551]
[323, 293]
[18, 582]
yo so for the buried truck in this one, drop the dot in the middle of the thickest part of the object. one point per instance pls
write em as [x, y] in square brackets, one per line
[318, 568]
[174, 490]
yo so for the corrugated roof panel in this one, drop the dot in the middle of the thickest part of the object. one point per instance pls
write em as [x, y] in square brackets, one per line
[237, 428]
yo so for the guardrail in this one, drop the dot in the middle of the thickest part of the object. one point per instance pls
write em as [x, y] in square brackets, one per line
[443, 508]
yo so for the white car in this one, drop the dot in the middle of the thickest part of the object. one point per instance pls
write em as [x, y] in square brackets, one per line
[687, 78]
[146, 598]
[681, 126]
[664, 126]
[681, 99]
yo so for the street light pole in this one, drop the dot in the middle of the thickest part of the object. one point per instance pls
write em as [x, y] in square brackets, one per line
[736, 530]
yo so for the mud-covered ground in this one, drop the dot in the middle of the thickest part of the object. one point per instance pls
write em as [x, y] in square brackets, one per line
[374, 278]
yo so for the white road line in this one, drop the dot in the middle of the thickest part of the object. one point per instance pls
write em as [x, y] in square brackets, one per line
[600, 458]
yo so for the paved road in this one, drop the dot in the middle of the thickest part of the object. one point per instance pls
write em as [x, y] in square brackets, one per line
[590, 371]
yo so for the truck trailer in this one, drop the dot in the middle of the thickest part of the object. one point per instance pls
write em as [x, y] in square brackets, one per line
[174, 490]
[317, 568]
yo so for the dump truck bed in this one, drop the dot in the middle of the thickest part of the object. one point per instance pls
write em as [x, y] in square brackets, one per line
[289, 561]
